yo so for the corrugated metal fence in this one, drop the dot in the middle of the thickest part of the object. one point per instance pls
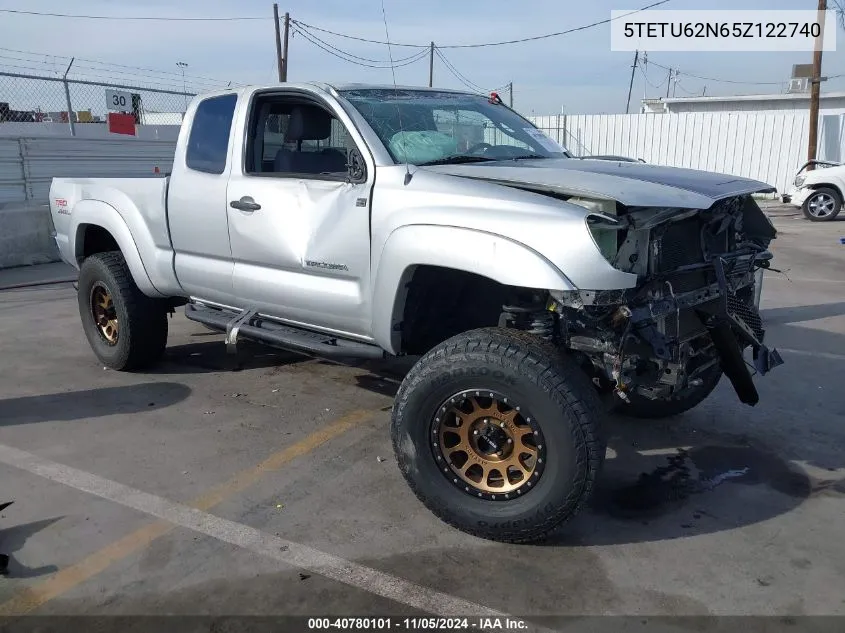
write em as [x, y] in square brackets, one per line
[767, 147]
[27, 165]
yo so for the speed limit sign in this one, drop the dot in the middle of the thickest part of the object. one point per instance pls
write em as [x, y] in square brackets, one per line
[118, 101]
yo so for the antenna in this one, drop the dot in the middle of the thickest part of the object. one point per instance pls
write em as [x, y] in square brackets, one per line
[408, 174]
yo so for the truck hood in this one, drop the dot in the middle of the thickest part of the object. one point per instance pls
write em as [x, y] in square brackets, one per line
[632, 184]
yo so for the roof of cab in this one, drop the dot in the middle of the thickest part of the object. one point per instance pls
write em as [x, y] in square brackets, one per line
[327, 87]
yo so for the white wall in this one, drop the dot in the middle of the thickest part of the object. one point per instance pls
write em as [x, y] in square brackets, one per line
[160, 130]
[27, 165]
[766, 147]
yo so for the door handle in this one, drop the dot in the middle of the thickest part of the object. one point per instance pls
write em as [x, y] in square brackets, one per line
[245, 204]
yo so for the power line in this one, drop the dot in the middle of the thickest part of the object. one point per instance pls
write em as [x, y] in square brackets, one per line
[645, 76]
[408, 61]
[122, 17]
[353, 37]
[726, 81]
[364, 59]
[460, 77]
[482, 44]
[689, 92]
[354, 60]
[566, 32]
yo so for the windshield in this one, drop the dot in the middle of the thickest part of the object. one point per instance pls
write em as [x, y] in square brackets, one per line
[424, 127]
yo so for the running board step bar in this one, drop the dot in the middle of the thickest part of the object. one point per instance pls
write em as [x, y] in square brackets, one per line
[248, 324]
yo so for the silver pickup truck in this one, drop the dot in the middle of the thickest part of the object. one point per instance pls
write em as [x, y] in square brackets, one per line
[538, 290]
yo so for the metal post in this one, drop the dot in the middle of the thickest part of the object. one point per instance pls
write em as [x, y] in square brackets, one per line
[285, 47]
[815, 87]
[278, 41]
[559, 138]
[631, 85]
[431, 66]
[67, 99]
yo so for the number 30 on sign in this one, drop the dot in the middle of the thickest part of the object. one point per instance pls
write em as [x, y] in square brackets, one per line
[118, 101]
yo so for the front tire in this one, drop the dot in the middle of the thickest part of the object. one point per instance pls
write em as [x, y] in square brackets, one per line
[822, 205]
[498, 434]
[126, 329]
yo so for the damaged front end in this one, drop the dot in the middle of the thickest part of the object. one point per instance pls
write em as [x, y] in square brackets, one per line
[696, 304]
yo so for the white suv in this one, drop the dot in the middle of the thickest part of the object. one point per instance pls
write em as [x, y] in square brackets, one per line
[819, 192]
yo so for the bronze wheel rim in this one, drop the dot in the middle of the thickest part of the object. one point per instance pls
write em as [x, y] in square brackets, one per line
[104, 313]
[488, 445]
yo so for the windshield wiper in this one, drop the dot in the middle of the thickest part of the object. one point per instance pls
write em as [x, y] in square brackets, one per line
[527, 156]
[458, 159]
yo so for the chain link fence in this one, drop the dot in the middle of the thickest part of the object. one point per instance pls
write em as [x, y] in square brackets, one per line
[33, 105]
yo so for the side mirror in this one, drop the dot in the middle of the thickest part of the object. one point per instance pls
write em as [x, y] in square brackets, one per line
[356, 168]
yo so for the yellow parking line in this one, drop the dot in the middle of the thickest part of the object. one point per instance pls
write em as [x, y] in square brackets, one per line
[66, 579]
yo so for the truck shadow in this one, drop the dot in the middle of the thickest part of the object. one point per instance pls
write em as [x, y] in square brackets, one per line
[210, 356]
[12, 539]
[91, 403]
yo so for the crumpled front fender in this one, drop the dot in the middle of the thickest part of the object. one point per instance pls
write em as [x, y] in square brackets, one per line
[493, 256]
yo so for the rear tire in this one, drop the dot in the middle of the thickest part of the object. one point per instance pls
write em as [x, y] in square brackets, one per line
[126, 329]
[547, 397]
[823, 205]
[643, 408]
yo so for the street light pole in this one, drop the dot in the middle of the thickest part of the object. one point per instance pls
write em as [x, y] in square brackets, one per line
[182, 66]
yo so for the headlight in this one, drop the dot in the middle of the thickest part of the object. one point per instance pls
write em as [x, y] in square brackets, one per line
[799, 180]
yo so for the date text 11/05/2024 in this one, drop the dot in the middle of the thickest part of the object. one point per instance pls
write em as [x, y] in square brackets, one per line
[418, 624]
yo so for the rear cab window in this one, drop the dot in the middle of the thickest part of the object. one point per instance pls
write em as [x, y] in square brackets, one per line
[208, 143]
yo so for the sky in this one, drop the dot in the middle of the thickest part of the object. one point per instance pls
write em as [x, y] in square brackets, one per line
[575, 73]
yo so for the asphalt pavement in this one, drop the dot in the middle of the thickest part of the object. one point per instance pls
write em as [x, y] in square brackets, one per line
[264, 484]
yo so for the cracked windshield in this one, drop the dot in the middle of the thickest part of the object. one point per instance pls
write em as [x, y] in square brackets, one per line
[424, 127]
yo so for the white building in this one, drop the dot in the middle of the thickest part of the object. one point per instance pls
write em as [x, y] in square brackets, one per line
[161, 118]
[786, 103]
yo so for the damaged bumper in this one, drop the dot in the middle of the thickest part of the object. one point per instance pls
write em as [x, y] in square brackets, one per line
[697, 305]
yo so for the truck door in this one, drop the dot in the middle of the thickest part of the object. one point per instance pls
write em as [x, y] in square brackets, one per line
[299, 221]
[197, 203]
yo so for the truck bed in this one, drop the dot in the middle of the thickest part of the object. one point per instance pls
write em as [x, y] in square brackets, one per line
[141, 203]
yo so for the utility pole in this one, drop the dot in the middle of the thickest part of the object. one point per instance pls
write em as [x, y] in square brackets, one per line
[510, 95]
[815, 86]
[668, 83]
[279, 61]
[285, 47]
[631, 85]
[431, 66]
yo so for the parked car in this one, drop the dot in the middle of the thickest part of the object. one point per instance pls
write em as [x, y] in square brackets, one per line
[819, 192]
[535, 288]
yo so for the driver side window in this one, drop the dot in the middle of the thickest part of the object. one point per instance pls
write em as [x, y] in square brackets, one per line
[289, 137]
